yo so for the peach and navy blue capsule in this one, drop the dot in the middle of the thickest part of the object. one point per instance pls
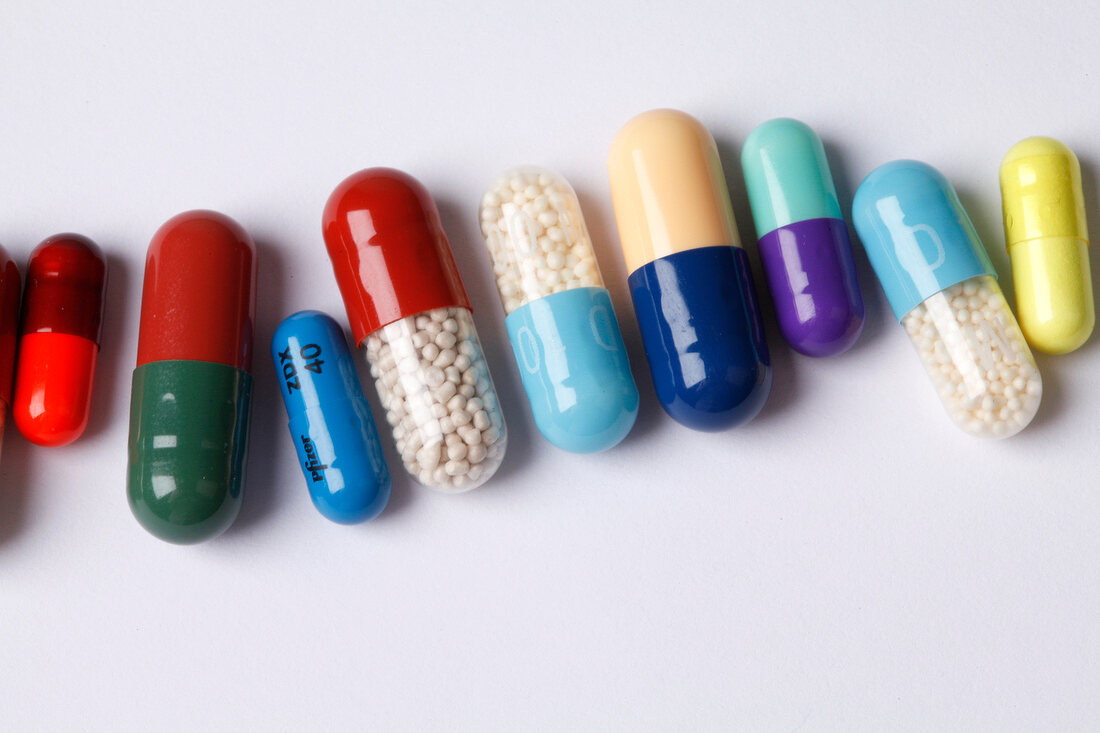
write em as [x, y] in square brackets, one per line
[689, 277]
[803, 240]
[330, 421]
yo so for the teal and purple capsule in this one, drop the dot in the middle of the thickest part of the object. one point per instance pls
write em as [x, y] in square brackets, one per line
[334, 434]
[804, 245]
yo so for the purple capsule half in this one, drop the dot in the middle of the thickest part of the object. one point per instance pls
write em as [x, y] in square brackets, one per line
[813, 283]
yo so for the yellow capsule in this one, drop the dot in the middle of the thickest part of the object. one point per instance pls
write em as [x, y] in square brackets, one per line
[1048, 243]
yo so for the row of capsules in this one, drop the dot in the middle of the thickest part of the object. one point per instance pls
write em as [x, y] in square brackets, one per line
[689, 280]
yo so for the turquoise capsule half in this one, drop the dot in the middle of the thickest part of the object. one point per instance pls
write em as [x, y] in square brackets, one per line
[560, 319]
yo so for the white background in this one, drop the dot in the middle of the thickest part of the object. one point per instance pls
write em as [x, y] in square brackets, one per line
[847, 561]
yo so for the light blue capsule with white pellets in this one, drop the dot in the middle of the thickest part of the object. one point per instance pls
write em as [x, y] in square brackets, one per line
[559, 315]
[338, 447]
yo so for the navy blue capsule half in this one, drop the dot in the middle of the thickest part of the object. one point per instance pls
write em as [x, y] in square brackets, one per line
[330, 420]
[703, 336]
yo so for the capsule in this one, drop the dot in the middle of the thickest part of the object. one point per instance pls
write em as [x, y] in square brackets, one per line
[9, 327]
[59, 339]
[943, 290]
[803, 240]
[689, 276]
[330, 421]
[1048, 243]
[192, 387]
[559, 316]
[410, 314]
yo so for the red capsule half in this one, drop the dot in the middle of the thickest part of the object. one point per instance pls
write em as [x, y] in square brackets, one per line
[388, 250]
[59, 339]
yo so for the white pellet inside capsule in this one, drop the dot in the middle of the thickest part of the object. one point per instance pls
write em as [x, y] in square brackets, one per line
[975, 354]
[438, 407]
[537, 239]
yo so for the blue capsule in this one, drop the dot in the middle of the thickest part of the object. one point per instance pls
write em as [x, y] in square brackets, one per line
[330, 421]
[560, 320]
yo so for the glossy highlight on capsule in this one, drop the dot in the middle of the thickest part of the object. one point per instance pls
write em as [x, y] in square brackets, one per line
[59, 339]
[803, 240]
[192, 388]
[1048, 243]
[410, 314]
[330, 422]
[689, 276]
[559, 316]
[943, 290]
[10, 286]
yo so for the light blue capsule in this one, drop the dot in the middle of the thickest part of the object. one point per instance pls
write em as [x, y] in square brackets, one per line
[560, 320]
[330, 421]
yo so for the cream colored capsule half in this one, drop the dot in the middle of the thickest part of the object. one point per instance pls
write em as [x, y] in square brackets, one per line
[667, 188]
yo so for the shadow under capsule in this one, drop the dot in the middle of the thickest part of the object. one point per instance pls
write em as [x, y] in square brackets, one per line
[990, 229]
[16, 484]
[111, 392]
[877, 315]
[461, 225]
[605, 244]
[1090, 182]
[264, 479]
[402, 486]
[785, 380]
[1054, 400]
[270, 484]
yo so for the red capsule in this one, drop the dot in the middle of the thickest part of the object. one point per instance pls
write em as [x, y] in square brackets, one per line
[406, 304]
[59, 339]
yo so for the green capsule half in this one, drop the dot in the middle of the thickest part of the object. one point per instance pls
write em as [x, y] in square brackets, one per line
[188, 441]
